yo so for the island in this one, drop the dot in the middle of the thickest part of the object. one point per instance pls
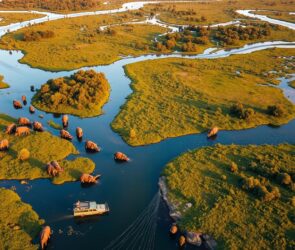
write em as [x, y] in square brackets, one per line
[82, 94]
[174, 97]
[38, 151]
[19, 223]
[242, 196]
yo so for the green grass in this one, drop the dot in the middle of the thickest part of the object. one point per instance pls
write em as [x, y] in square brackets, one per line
[8, 18]
[3, 85]
[235, 217]
[43, 148]
[174, 97]
[78, 43]
[13, 213]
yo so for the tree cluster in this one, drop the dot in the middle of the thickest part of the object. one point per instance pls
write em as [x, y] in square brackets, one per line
[186, 41]
[29, 36]
[261, 188]
[276, 110]
[81, 90]
[241, 112]
[50, 4]
[230, 35]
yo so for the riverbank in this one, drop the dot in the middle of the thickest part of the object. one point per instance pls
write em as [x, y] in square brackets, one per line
[234, 194]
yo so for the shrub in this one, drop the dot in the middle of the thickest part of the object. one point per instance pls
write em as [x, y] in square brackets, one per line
[233, 167]
[132, 133]
[276, 110]
[284, 178]
[239, 111]
[23, 154]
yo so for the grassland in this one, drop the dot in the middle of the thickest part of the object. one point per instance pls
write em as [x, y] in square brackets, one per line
[82, 94]
[43, 147]
[174, 97]
[211, 12]
[217, 182]
[79, 42]
[3, 85]
[19, 223]
[8, 18]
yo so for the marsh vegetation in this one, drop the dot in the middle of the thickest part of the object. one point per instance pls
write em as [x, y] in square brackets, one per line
[79, 42]
[241, 195]
[174, 97]
[19, 223]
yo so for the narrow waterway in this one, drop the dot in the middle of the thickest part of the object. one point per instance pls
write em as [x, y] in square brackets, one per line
[128, 188]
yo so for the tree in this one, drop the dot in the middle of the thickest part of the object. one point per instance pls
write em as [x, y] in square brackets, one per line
[132, 133]
[23, 154]
[277, 110]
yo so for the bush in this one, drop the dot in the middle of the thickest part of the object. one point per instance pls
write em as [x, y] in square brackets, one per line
[284, 178]
[29, 36]
[233, 167]
[276, 110]
[24, 154]
[239, 111]
[132, 133]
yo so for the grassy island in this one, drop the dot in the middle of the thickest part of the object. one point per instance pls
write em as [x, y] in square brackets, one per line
[19, 223]
[3, 85]
[82, 94]
[241, 195]
[79, 42]
[174, 97]
[43, 147]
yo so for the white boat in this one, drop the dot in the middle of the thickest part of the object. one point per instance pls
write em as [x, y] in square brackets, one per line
[87, 208]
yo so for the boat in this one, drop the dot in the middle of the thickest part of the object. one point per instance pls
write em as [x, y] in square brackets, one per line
[88, 208]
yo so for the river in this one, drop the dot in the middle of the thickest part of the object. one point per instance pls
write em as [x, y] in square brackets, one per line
[128, 188]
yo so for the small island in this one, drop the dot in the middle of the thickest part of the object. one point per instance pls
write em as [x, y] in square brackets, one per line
[3, 85]
[27, 156]
[242, 196]
[82, 94]
[19, 223]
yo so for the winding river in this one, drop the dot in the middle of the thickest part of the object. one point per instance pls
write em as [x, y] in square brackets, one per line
[128, 188]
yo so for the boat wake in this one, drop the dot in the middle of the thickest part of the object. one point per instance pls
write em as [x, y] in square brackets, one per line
[141, 233]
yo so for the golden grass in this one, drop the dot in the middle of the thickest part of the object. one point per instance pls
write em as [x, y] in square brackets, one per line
[19, 223]
[8, 18]
[174, 97]
[213, 11]
[43, 147]
[235, 217]
[77, 43]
